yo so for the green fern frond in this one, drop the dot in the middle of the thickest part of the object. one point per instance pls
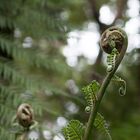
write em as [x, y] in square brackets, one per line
[102, 126]
[6, 112]
[5, 133]
[33, 57]
[122, 83]
[6, 22]
[11, 97]
[18, 76]
[8, 71]
[9, 100]
[52, 26]
[74, 130]
[111, 59]
[33, 69]
[9, 94]
[90, 93]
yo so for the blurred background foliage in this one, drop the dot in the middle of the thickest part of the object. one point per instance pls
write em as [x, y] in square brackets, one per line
[34, 68]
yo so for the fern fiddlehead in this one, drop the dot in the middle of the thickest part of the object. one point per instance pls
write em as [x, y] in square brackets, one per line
[112, 38]
[114, 42]
[23, 122]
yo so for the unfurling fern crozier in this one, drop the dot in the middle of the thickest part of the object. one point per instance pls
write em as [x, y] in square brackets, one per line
[114, 42]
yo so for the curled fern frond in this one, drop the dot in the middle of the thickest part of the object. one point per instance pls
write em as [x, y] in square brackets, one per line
[113, 37]
[87, 109]
[122, 83]
[101, 125]
[90, 92]
[74, 130]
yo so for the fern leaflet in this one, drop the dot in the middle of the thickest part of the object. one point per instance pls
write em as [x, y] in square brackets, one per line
[122, 83]
[101, 125]
[74, 130]
[111, 60]
[90, 93]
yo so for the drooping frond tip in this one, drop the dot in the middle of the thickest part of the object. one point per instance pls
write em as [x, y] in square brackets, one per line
[122, 83]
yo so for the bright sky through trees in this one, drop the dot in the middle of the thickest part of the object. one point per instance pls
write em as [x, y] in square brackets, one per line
[85, 42]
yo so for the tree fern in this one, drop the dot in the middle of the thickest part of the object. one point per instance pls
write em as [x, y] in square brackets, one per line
[33, 69]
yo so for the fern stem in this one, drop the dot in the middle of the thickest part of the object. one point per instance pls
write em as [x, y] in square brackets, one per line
[105, 84]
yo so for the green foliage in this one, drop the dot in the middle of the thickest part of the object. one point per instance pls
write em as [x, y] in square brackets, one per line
[111, 60]
[90, 93]
[29, 74]
[36, 75]
[74, 130]
[102, 126]
[122, 84]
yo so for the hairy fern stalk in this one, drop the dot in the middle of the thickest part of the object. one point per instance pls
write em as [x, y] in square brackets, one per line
[114, 42]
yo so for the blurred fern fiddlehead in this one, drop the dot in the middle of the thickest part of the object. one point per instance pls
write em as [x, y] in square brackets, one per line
[114, 42]
[24, 121]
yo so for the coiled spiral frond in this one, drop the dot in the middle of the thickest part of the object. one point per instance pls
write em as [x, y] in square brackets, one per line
[25, 115]
[114, 42]
[122, 84]
[113, 39]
